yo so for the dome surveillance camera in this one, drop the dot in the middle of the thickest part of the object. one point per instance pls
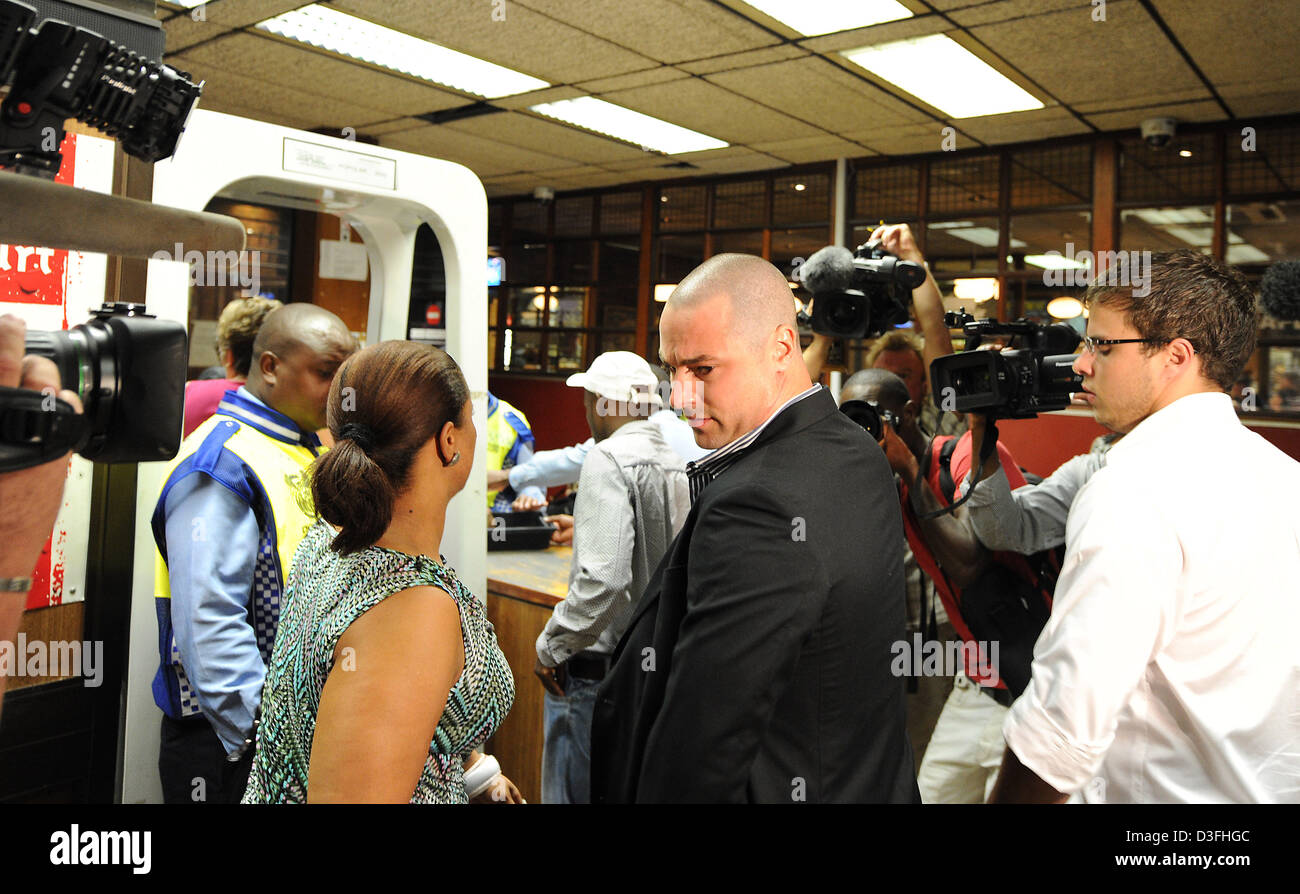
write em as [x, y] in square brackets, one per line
[1157, 132]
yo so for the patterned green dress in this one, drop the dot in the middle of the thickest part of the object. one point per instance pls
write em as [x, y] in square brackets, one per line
[326, 592]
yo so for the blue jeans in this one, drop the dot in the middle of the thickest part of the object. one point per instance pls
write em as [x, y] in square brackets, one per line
[566, 754]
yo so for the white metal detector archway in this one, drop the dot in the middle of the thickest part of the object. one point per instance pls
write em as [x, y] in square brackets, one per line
[386, 195]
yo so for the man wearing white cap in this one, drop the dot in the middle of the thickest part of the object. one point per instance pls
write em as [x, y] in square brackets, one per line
[632, 499]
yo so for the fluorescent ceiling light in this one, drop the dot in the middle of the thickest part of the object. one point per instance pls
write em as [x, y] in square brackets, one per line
[813, 17]
[941, 72]
[1065, 307]
[625, 124]
[1246, 254]
[1162, 216]
[979, 289]
[326, 28]
[1199, 236]
[984, 237]
[1055, 262]
[664, 291]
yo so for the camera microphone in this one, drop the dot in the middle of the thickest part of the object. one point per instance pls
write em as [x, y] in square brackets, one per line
[830, 269]
[1279, 290]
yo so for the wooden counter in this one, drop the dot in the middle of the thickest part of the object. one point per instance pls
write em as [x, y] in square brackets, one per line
[522, 588]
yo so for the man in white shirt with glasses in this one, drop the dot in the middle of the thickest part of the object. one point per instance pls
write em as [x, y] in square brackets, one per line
[1167, 671]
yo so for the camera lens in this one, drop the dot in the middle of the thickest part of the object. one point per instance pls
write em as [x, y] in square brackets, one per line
[865, 415]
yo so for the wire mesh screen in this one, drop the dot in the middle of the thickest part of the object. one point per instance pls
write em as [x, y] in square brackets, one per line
[682, 208]
[1178, 172]
[884, 192]
[620, 212]
[1056, 175]
[573, 216]
[740, 203]
[1265, 161]
[801, 199]
[528, 220]
[965, 183]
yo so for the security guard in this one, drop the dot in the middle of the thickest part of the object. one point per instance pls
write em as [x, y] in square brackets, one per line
[509, 443]
[235, 502]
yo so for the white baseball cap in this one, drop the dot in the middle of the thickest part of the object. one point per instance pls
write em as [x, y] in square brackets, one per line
[621, 376]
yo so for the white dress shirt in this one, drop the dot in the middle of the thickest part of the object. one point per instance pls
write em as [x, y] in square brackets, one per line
[1168, 670]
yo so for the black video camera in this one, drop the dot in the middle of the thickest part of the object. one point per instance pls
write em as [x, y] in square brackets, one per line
[859, 295]
[870, 416]
[128, 368]
[58, 71]
[1033, 376]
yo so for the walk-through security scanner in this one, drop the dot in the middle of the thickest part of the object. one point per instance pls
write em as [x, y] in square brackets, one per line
[386, 195]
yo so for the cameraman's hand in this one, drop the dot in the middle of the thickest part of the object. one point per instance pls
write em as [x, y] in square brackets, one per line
[31, 497]
[979, 425]
[900, 458]
[897, 239]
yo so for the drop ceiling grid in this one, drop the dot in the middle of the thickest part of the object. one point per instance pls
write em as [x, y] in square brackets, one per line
[772, 98]
[277, 62]
[469, 28]
[668, 30]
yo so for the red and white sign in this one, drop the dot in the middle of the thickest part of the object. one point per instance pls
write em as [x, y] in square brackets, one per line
[51, 289]
[433, 315]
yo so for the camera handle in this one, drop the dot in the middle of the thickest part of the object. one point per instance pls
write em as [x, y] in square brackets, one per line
[36, 428]
[986, 450]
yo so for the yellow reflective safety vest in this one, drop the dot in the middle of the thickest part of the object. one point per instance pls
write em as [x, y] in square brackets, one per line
[507, 431]
[263, 458]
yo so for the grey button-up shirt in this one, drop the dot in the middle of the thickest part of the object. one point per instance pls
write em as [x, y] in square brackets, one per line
[633, 498]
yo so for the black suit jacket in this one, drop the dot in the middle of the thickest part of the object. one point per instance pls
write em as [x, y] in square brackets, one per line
[756, 667]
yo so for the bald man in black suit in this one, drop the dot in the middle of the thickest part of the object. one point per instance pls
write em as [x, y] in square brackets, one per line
[757, 664]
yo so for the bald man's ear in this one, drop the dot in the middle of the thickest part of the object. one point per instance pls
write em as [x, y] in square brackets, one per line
[786, 349]
[910, 411]
[266, 364]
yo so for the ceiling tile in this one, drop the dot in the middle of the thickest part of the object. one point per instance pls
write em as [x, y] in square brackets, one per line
[1247, 46]
[1011, 10]
[236, 94]
[483, 157]
[1125, 59]
[645, 78]
[668, 30]
[711, 110]
[1204, 110]
[1015, 127]
[730, 61]
[812, 149]
[819, 93]
[562, 141]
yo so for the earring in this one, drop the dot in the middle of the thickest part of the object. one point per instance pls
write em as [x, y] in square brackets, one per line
[455, 458]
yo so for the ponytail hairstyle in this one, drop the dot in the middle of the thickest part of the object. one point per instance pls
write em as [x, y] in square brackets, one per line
[385, 404]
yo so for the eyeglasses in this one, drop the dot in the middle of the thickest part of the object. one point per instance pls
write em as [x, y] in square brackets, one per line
[1090, 345]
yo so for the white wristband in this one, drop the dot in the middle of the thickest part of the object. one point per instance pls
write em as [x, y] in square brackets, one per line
[480, 775]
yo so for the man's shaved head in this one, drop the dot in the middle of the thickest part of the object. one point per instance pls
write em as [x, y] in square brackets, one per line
[759, 293]
[876, 384]
[730, 337]
[295, 355]
[299, 325]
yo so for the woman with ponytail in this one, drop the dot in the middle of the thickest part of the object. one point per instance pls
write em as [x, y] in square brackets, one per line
[386, 675]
